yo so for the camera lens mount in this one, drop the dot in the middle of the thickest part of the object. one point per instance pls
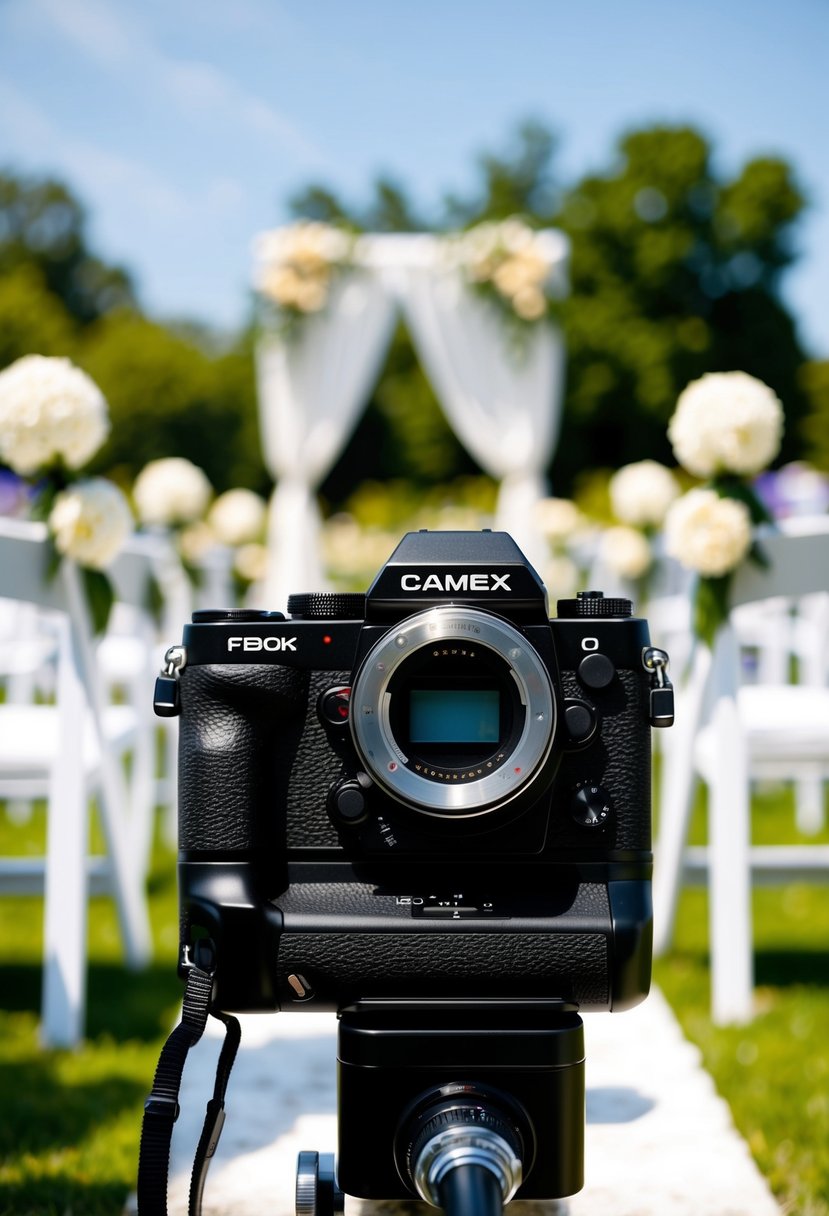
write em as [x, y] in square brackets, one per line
[453, 712]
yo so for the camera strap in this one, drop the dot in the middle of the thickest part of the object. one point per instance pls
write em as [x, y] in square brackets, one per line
[162, 1109]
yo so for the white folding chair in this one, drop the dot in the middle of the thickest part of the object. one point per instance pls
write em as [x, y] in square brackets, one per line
[130, 656]
[731, 735]
[63, 752]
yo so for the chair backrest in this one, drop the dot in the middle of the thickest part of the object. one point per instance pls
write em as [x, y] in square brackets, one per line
[797, 556]
[26, 574]
[24, 566]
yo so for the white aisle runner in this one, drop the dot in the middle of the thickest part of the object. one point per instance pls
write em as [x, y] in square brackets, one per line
[660, 1142]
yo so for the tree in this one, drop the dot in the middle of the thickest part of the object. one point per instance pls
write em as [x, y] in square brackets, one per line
[169, 392]
[168, 397]
[815, 381]
[32, 319]
[42, 224]
[675, 272]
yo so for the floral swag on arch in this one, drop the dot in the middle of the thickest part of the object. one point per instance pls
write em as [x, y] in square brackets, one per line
[477, 308]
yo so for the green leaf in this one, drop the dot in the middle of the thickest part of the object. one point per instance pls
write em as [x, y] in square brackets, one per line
[99, 597]
[154, 599]
[711, 606]
[728, 485]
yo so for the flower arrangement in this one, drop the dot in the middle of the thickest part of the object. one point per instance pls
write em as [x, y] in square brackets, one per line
[175, 494]
[509, 264]
[626, 551]
[563, 526]
[640, 496]
[295, 267]
[90, 521]
[171, 492]
[238, 519]
[53, 419]
[51, 415]
[727, 427]
[642, 492]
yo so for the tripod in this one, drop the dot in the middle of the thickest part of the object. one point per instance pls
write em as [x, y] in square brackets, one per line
[464, 1107]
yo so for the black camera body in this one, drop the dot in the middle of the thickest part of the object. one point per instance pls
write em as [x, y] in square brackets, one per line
[429, 796]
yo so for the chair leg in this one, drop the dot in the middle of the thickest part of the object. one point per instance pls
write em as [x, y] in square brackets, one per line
[128, 875]
[729, 870]
[676, 795]
[66, 879]
[810, 814]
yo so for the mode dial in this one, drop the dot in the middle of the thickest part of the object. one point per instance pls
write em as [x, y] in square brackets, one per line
[327, 606]
[591, 806]
[594, 604]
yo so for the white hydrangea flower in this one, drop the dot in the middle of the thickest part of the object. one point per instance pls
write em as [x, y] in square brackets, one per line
[90, 521]
[50, 411]
[558, 518]
[707, 533]
[238, 517]
[171, 491]
[195, 542]
[561, 578]
[625, 551]
[251, 562]
[641, 493]
[726, 422]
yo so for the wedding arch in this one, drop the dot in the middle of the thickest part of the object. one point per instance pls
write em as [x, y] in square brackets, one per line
[315, 380]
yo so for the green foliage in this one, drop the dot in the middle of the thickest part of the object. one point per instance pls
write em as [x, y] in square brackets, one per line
[814, 378]
[169, 392]
[32, 319]
[42, 224]
[168, 397]
[674, 273]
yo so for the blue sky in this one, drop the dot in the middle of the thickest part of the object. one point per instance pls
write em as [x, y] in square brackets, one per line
[185, 125]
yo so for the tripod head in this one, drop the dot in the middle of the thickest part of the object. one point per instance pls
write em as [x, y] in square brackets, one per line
[464, 1108]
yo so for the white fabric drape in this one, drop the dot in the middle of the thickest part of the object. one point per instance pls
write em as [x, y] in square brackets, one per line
[311, 392]
[504, 404]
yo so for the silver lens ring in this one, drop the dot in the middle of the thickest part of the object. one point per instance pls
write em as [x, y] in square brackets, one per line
[382, 754]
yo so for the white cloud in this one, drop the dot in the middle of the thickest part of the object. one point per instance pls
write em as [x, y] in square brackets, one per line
[111, 35]
[29, 132]
[23, 122]
[93, 26]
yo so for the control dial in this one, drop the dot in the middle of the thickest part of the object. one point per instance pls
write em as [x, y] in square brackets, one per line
[327, 606]
[596, 605]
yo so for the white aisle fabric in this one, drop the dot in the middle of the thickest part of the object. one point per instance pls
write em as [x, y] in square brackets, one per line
[311, 392]
[503, 401]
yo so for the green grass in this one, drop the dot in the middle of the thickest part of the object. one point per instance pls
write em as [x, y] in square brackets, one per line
[69, 1132]
[774, 1072]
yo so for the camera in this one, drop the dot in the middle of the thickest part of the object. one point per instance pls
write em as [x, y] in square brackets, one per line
[426, 808]
[430, 792]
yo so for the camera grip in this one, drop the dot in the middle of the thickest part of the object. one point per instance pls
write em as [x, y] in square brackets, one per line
[240, 725]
